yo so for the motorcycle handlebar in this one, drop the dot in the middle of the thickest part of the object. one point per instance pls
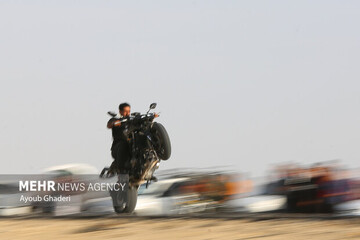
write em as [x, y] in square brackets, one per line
[130, 118]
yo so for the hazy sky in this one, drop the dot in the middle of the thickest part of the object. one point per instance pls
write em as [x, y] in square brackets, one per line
[241, 83]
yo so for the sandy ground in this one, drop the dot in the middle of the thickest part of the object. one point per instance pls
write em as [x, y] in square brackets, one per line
[132, 228]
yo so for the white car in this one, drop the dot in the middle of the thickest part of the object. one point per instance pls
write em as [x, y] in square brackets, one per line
[89, 203]
[350, 208]
[166, 198]
[259, 203]
[10, 205]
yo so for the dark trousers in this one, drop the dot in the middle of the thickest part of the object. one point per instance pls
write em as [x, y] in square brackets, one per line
[121, 152]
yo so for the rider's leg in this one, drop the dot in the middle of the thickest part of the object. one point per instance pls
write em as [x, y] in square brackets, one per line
[122, 156]
[114, 167]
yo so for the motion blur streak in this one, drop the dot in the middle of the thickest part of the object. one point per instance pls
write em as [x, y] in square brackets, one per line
[326, 187]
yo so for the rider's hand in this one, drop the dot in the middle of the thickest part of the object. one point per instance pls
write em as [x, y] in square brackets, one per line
[113, 123]
[117, 123]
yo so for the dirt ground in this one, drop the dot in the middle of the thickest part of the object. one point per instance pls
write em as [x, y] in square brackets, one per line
[133, 228]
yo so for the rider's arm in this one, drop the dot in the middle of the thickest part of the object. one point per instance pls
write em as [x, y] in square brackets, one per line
[113, 122]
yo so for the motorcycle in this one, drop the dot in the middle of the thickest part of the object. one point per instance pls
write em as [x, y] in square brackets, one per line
[150, 143]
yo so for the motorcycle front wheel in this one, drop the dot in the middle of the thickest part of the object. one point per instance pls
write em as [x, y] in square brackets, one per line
[162, 141]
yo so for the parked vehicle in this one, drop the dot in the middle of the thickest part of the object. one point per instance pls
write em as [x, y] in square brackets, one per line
[169, 197]
[315, 189]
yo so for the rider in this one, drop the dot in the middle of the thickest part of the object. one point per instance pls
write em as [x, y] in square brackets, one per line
[120, 149]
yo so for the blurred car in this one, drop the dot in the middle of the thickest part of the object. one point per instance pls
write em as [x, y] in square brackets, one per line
[167, 197]
[10, 204]
[89, 202]
[255, 204]
[350, 208]
[319, 188]
[72, 168]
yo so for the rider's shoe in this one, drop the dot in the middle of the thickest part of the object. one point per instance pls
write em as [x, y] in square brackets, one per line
[107, 173]
[154, 179]
[110, 173]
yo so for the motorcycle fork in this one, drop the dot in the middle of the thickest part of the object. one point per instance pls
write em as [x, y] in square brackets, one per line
[133, 150]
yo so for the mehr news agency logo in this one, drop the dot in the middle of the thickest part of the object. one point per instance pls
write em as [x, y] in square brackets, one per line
[51, 191]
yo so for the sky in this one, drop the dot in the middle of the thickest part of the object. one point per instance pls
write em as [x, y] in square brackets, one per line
[244, 84]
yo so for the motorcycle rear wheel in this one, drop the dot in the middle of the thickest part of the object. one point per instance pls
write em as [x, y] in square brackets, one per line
[131, 201]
